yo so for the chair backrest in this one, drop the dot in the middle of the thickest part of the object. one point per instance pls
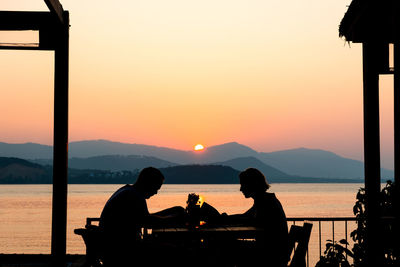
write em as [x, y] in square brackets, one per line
[92, 235]
[301, 236]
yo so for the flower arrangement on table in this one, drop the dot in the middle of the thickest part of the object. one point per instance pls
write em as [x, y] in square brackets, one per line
[199, 212]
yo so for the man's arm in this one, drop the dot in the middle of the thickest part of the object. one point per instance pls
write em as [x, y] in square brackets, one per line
[168, 217]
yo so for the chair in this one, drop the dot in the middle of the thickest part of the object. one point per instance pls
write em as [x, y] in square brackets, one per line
[301, 236]
[92, 235]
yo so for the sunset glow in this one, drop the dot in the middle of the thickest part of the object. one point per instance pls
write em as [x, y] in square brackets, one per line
[198, 147]
[271, 75]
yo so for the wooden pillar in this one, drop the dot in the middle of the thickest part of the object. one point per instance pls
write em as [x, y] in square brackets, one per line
[60, 153]
[396, 96]
[371, 150]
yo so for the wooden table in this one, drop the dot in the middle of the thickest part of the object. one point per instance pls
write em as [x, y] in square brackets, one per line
[207, 246]
[221, 232]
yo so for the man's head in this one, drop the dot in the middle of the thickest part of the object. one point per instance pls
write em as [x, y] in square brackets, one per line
[149, 181]
[252, 182]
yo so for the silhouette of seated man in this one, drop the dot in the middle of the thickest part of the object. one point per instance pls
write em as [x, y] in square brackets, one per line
[271, 248]
[124, 215]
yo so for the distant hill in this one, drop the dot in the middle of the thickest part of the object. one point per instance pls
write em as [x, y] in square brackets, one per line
[211, 154]
[12, 169]
[302, 162]
[200, 174]
[6, 162]
[93, 148]
[18, 171]
[76, 176]
[216, 174]
[84, 149]
[224, 152]
[247, 162]
[317, 163]
[113, 162]
[26, 151]
[134, 162]
[118, 162]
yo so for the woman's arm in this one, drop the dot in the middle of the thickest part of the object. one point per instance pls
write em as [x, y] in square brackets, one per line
[245, 218]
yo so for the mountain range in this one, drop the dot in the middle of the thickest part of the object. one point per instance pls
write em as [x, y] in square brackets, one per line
[108, 155]
[112, 162]
[19, 171]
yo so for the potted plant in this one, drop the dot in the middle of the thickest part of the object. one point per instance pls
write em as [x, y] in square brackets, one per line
[335, 254]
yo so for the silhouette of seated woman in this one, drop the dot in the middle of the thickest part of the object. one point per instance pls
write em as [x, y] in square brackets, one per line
[124, 215]
[271, 248]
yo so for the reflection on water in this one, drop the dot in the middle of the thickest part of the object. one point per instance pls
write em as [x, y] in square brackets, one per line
[25, 210]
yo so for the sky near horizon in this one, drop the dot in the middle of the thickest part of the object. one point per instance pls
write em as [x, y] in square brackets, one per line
[268, 74]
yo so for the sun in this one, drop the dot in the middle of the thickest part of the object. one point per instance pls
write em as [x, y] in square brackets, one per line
[198, 147]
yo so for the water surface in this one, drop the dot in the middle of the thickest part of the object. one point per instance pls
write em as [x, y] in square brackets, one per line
[25, 210]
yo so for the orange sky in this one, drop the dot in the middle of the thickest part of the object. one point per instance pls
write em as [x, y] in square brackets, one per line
[268, 74]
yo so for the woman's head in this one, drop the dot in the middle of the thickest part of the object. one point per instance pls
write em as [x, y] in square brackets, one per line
[252, 181]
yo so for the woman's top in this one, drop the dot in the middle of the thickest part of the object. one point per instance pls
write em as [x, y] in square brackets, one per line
[268, 214]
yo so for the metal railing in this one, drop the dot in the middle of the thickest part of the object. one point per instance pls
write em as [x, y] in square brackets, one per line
[337, 228]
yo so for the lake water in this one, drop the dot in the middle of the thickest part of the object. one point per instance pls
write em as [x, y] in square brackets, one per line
[25, 210]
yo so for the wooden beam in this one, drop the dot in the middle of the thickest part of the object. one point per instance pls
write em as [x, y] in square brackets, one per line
[44, 22]
[56, 8]
[24, 20]
[18, 46]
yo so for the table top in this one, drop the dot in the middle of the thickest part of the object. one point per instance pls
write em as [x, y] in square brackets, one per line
[209, 229]
[202, 231]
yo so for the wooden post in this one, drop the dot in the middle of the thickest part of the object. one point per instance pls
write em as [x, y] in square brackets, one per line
[396, 96]
[371, 151]
[60, 153]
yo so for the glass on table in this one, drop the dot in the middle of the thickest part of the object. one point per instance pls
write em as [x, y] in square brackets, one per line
[145, 232]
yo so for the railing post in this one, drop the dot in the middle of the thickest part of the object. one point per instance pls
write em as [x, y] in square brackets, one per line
[320, 239]
[345, 232]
